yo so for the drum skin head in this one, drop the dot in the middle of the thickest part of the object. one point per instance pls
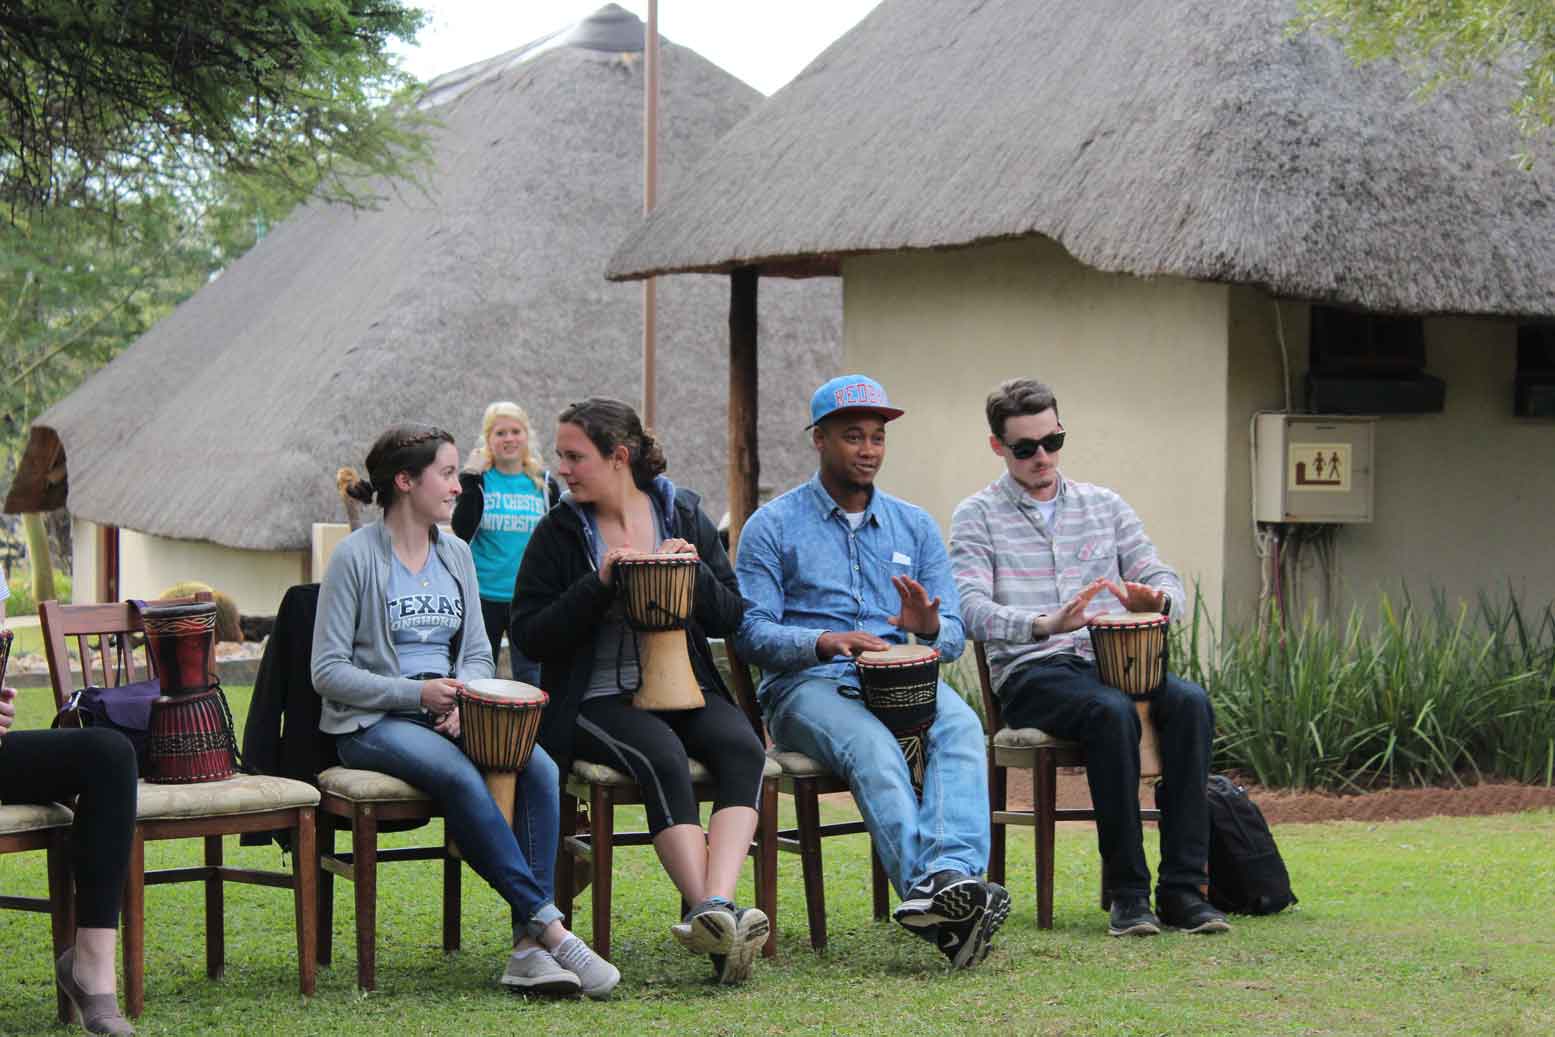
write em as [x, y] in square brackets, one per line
[899, 655]
[498, 690]
[670, 558]
[1129, 619]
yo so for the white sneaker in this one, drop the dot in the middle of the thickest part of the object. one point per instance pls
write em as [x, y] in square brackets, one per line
[596, 976]
[708, 928]
[751, 929]
[534, 971]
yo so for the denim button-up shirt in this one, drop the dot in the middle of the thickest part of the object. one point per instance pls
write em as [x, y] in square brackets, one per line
[804, 571]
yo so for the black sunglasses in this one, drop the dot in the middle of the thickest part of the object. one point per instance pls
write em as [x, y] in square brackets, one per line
[1026, 449]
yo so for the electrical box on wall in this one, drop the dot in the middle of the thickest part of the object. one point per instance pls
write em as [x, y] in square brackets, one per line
[1312, 468]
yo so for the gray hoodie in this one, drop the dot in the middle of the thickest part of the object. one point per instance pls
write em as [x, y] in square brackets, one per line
[355, 666]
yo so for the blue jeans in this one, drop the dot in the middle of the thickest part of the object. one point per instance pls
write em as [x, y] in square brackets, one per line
[948, 829]
[517, 862]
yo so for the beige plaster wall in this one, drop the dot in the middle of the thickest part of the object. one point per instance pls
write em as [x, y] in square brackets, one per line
[1462, 498]
[83, 561]
[255, 580]
[1139, 367]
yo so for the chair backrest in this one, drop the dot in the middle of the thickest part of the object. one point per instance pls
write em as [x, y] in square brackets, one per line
[990, 701]
[744, 691]
[102, 635]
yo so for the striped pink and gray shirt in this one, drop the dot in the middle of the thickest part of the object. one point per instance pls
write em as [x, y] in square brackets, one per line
[1011, 568]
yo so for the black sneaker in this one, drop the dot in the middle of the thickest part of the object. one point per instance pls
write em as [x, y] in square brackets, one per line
[1131, 917]
[967, 942]
[1186, 910]
[946, 896]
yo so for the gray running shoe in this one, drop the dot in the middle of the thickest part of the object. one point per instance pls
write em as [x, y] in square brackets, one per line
[708, 928]
[536, 972]
[596, 976]
[751, 929]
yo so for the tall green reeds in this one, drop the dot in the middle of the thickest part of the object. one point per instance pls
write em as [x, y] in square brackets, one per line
[1414, 696]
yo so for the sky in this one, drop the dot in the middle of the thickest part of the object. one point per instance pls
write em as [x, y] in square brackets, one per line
[764, 42]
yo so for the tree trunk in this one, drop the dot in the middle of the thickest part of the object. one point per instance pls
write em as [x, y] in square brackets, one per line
[38, 556]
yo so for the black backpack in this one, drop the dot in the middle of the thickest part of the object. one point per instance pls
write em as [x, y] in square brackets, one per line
[1246, 873]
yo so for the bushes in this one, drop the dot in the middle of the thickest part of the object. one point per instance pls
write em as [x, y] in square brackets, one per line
[1420, 697]
[21, 602]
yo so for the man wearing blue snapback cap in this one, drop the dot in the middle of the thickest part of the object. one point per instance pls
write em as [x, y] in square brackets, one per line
[836, 567]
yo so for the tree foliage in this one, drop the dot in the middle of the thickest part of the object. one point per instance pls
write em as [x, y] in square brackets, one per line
[1444, 40]
[145, 144]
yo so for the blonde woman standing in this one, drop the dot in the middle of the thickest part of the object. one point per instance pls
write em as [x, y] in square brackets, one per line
[505, 491]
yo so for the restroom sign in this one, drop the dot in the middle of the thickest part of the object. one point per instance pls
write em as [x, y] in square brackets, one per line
[1320, 467]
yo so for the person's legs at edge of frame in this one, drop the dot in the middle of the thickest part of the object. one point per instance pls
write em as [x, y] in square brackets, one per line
[413, 752]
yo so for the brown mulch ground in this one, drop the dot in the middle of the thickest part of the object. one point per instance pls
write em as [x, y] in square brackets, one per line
[1281, 807]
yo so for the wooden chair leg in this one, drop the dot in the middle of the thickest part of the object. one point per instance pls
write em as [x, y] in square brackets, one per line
[564, 871]
[324, 827]
[807, 810]
[453, 901]
[602, 839]
[766, 862]
[880, 886]
[998, 801]
[1044, 794]
[62, 910]
[305, 873]
[364, 869]
[134, 925]
[215, 911]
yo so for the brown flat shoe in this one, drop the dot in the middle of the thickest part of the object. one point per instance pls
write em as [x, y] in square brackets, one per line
[99, 1012]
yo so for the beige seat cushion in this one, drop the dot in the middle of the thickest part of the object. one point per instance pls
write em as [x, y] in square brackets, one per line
[244, 794]
[360, 786]
[797, 765]
[1029, 738]
[599, 774]
[16, 818]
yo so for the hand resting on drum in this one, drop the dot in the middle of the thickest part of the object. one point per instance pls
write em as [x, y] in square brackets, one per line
[1075, 613]
[448, 724]
[849, 643]
[677, 546]
[440, 695]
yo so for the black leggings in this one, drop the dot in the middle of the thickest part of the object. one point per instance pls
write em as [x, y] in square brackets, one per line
[652, 745]
[97, 765]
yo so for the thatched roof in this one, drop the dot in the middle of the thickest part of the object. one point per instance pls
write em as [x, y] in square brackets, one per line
[1192, 138]
[227, 420]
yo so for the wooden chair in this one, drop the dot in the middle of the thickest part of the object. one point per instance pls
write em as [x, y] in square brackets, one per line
[806, 780]
[603, 789]
[45, 827]
[1041, 753]
[206, 810]
[366, 803]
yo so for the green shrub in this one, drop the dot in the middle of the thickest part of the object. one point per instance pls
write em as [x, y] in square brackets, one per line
[21, 602]
[1418, 697]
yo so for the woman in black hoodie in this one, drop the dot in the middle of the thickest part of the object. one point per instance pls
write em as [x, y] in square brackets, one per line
[567, 615]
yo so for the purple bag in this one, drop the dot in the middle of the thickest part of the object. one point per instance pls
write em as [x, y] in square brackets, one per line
[126, 709]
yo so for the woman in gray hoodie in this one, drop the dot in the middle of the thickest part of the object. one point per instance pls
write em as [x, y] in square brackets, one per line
[398, 633]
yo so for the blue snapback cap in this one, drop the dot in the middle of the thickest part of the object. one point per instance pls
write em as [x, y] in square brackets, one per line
[851, 392]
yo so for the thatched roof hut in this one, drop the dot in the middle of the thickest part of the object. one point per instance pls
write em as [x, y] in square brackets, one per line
[1194, 138]
[226, 421]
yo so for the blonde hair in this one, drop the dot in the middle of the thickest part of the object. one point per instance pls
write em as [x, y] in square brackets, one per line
[480, 457]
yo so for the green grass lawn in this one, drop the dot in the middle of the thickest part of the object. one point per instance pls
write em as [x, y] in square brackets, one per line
[1410, 928]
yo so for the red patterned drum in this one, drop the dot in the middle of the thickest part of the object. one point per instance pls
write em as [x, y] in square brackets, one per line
[181, 641]
[190, 739]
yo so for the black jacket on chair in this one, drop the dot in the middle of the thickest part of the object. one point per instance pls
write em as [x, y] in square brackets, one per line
[282, 736]
[561, 601]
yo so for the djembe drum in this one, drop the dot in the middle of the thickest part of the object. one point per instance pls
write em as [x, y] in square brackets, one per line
[190, 735]
[499, 721]
[657, 592]
[900, 685]
[1132, 656]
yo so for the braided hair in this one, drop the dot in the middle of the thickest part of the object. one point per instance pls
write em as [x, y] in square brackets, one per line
[406, 448]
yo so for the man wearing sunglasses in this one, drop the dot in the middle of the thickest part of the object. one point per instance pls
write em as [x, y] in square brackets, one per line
[1037, 556]
[836, 567]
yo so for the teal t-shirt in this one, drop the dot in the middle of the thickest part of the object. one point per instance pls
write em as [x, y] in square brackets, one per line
[514, 505]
